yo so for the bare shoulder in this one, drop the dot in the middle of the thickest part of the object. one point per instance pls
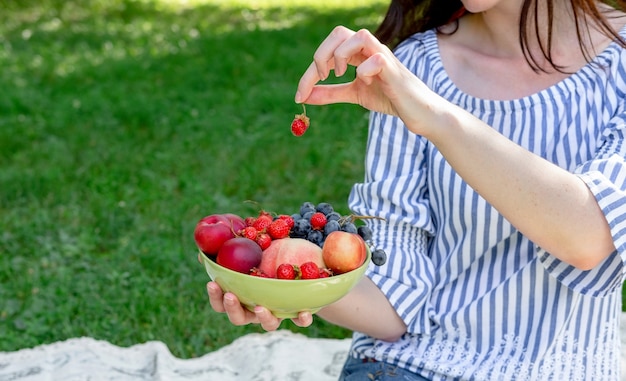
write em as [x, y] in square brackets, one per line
[487, 61]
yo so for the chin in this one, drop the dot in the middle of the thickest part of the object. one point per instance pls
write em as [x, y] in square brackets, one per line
[478, 6]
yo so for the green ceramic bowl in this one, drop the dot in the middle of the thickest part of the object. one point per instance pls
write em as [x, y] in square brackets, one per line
[285, 298]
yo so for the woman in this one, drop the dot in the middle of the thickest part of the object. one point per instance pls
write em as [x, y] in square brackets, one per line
[496, 157]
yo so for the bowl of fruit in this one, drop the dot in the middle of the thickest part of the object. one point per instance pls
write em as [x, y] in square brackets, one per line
[286, 263]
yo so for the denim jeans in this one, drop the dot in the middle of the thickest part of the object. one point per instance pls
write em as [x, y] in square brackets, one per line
[370, 370]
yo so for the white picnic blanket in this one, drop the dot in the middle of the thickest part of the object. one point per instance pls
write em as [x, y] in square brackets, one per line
[272, 356]
[280, 355]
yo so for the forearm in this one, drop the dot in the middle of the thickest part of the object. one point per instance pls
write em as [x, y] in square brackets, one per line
[366, 309]
[552, 207]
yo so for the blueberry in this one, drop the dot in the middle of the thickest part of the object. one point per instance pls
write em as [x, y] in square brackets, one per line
[296, 216]
[333, 216]
[295, 234]
[307, 215]
[331, 226]
[349, 227]
[316, 236]
[379, 257]
[307, 207]
[365, 232]
[300, 228]
[325, 208]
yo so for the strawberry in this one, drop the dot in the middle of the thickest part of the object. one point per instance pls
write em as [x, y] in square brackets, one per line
[288, 219]
[278, 229]
[249, 232]
[264, 240]
[300, 123]
[325, 273]
[262, 222]
[309, 270]
[286, 271]
[255, 271]
[318, 220]
[249, 221]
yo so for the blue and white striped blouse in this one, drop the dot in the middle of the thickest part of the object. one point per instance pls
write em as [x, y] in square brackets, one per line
[480, 300]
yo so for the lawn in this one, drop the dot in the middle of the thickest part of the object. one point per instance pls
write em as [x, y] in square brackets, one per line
[124, 122]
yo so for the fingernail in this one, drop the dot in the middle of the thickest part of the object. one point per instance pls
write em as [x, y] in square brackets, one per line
[298, 97]
[258, 309]
[229, 299]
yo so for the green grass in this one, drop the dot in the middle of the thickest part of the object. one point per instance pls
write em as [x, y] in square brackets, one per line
[124, 122]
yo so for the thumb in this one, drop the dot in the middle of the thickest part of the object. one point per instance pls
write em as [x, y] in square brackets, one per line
[329, 94]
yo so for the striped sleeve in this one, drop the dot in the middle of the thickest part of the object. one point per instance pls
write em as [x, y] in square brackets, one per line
[605, 175]
[395, 191]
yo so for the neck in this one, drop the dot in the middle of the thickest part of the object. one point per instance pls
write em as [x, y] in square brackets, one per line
[499, 35]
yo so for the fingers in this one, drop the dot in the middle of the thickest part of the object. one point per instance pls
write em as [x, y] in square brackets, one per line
[324, 61]
[343, 47]
[354, 50]
[307, 81]
[237, 314]
[370, 68]
[268, 321]
[304, 319]
[229, 304]
[216, 296]
[325, 58]
[328, 94]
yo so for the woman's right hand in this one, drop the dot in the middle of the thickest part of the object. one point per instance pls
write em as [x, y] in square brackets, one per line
[382, 82]
[227, 302]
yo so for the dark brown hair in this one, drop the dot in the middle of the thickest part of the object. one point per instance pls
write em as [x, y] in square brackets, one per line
[406, 17]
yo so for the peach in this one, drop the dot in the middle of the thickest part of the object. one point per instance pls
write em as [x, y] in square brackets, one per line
[343, 251]
[295, 251]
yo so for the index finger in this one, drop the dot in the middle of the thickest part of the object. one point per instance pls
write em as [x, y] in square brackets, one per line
[216, 296]
[324, 61]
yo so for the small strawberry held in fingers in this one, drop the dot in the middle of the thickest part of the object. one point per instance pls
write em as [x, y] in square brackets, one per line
[300, 123]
